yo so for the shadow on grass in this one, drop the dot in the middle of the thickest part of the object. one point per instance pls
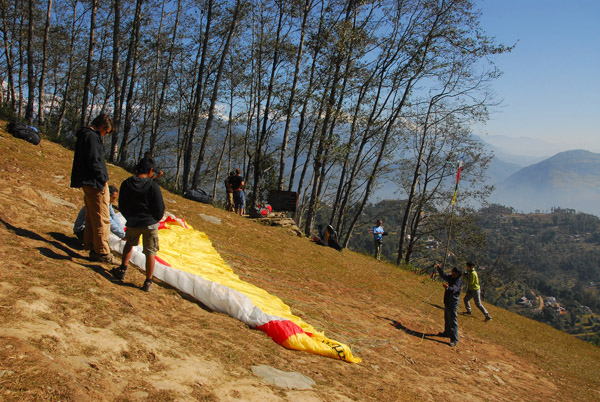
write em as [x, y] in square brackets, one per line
[22, 232]
[417, 334]
[46, 252]
[105, 273]
[435, 305]
[69, 241]
[70, 254]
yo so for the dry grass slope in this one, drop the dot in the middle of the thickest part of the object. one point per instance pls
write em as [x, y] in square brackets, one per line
[68, 333]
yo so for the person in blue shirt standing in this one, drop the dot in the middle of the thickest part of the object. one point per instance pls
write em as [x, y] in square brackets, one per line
[378, 234]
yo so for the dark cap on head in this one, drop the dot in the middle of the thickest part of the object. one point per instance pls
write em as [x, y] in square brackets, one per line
[470, 264]
[144, 166]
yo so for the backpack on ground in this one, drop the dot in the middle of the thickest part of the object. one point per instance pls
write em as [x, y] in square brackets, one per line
[198, 195]
[24, 132]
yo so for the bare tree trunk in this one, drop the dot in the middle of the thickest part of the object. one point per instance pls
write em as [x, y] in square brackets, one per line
[226, 141]
[262, 137]
[345, 187]
[43, 66]
[300, 133]
[290, 108]
[94, 88]
[187, 156]
[69, 71]
[9, 58]
[312, 140]
[21, 62]
[215, 93]
[30, 67]
[380, 155]
[318, 164]
[133, 55]
[90, 59]
[116, 81]
[165, 83]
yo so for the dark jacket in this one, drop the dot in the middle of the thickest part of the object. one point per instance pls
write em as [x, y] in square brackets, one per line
[141, 202]
[236, 182]
[89, 168]
[452, 293]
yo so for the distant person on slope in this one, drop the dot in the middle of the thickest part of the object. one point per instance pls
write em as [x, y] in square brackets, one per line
[115, 226]
[474, 291]
[452, 284]
[239, 199]
[378, 234]
[141, 203]
[89, 173]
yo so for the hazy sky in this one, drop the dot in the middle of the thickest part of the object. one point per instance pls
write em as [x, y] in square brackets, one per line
[551, 82]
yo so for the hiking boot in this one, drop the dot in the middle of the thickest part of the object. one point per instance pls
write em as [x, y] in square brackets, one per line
[107, 258]
[489, 317]
[146, 285]
[119, 272]
[453, 344]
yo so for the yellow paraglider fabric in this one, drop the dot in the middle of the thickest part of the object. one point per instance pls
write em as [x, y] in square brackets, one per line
[191, 251]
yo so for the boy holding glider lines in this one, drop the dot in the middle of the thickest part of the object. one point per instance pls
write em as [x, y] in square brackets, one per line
[142, 205]
[452, 284]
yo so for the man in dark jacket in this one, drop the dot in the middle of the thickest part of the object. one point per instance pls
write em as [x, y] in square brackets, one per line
[229, 190]
[142, 205]
[89, 173]
[452, 284]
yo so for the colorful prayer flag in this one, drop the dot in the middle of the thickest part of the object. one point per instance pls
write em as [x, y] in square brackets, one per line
[460, 164]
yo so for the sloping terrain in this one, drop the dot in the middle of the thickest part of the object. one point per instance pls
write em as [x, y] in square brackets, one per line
[69, 333]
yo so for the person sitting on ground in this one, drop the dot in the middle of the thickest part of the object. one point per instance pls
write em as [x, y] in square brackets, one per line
[141, 203]
[474, 291]
[115, 226]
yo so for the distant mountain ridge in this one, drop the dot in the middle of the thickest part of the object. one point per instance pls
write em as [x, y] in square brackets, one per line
[568, 179]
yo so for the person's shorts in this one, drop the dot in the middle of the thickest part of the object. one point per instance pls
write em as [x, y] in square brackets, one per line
[239, 199]
[149, 238]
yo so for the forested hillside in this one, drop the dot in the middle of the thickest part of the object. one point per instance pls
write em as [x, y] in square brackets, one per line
[543, 257]
[319, 97]
[544, 266]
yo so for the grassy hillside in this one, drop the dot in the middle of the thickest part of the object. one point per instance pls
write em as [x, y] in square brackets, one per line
[69, 333]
